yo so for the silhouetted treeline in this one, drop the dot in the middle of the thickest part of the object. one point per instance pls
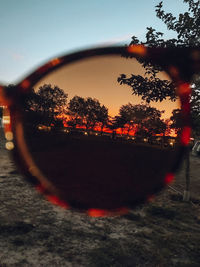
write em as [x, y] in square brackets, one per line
[86, 112]
[48, 107]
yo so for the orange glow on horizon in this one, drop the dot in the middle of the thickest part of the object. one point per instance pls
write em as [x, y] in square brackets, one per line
[108, 90]
[119, 131]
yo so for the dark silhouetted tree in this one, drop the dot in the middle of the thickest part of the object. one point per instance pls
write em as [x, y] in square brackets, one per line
[87, 112]
[187, 30]
[149, 88]
[76, 109]
[144, 120]
[51, 100]
[148, 121]
[127, 116]
[102, 117]
[118, 122]
[195, 105]
[176, 121]
[46, 106]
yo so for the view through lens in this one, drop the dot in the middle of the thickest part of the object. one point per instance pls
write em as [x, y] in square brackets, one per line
[101, 145]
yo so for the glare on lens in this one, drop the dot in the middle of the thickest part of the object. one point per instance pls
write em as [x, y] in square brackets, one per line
[9, 136]
[9, 145]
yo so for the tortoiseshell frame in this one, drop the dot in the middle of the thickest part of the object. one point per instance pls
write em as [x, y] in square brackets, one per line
[180, 63]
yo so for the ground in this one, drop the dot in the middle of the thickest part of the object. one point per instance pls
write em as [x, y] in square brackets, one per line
[33, 232]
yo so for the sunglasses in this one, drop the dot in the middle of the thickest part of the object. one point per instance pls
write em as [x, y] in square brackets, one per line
[102, 130]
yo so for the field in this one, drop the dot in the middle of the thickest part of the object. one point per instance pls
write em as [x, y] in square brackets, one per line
[165, 232]
[99, 172]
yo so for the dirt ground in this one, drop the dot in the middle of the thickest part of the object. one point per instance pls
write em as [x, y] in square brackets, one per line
[33, 232]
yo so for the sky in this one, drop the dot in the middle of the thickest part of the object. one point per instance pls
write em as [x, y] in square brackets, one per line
[34, 31]
[96, 77]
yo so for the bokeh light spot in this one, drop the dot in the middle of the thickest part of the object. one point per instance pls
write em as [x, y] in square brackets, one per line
[185, 137]
[9, 145]
[25, 84]
[9, 136]
[138, 49]
[169, 178]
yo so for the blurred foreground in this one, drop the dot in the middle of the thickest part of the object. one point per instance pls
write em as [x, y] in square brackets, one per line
[33, 232]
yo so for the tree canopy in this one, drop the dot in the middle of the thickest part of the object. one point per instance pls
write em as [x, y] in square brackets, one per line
[187, 30]
[51, 100]
[144, 120]
[45, 105]
[87, 112]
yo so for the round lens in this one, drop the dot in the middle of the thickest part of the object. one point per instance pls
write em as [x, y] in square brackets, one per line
[101, 131]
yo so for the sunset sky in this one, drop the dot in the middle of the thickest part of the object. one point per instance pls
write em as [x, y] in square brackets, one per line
[97, 78]
[33, 31]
